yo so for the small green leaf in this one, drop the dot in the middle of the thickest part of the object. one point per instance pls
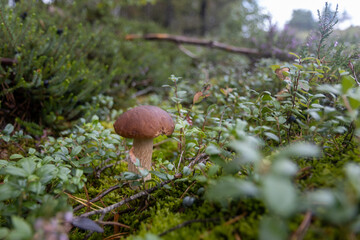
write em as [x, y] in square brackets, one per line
[280, 195]
[212, 150]
[302, 149]
[32, 151]
[294, 54]
[64, 150]
[347, 82]
[22, 228]
[76, 150]
[272, 228]
[3, 233]
[8, 129]
[272, 136]
[15, 171]
[186, 171]
[160, 175]
[80, 139]
[16, 156]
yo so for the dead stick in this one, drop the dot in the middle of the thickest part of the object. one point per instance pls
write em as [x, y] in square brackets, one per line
[107, 191]
[301, 231]
[178, 39]
[131, 198]
[145, 192]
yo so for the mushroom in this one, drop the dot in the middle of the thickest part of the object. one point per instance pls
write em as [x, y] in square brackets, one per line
[143, 123]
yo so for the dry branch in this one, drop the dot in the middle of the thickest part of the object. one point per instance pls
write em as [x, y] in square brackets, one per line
[131, 198]
[200, 158]
[178, 39]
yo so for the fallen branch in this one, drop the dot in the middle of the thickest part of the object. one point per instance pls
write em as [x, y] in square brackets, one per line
[178, 39]
[202, 157]
[131, 198]
[107, 191]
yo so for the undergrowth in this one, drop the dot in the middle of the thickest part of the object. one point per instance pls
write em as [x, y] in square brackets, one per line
[270, 153]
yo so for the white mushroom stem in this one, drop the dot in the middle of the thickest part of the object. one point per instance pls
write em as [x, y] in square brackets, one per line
[142, 149]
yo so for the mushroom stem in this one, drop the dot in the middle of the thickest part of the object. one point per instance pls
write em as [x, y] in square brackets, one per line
[142, 149]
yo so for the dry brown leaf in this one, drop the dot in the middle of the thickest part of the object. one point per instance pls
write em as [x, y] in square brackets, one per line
[226, 91]
[280, 73]
[198, 97]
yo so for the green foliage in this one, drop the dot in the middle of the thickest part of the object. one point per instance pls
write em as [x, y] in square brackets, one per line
[327, 21]
[66, 59]
[62, 164]
[254, 153]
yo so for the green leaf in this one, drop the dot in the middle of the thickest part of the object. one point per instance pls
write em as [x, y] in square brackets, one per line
[28, 165]
[3, 233]
[7, 192]
[76, 150]
[227, 188]
[85, 160]
[64, 150]
[186, 171]
[160, 175]
[46, 173]
[22, 228]
[16, 156]
[272, 136]
[272, 228]
[280, 195]
[8, 129]
[80, 139]
[212, 150]
[302, 149]
[297, 65]
[294, 54]
[284, 167]
[347, 82]
[15, 171]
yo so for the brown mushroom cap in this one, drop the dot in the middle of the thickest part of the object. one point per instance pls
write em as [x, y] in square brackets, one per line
[144, 122]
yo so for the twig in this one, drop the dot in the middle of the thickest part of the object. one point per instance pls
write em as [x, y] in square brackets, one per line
[114, 223]
[299, 234]
[187, 223]
[187, 189]
[99, 171]
[353, 71]
[186, 51]
[235, 219]
[97, 198]
[178, 39]
[201, 157]
[143, 92]
[131, 198]
[303, 172]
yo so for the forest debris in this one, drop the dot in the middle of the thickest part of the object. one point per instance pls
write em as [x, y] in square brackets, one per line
[179, 39]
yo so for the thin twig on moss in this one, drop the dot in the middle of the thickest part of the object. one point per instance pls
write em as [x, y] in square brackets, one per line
[97, 198]
[303, 227]
[200, 158]
[129, 199]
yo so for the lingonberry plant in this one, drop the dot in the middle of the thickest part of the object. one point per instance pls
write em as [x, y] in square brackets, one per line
[270, 151]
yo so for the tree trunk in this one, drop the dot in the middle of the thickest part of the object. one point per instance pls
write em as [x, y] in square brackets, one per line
[202, 14]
